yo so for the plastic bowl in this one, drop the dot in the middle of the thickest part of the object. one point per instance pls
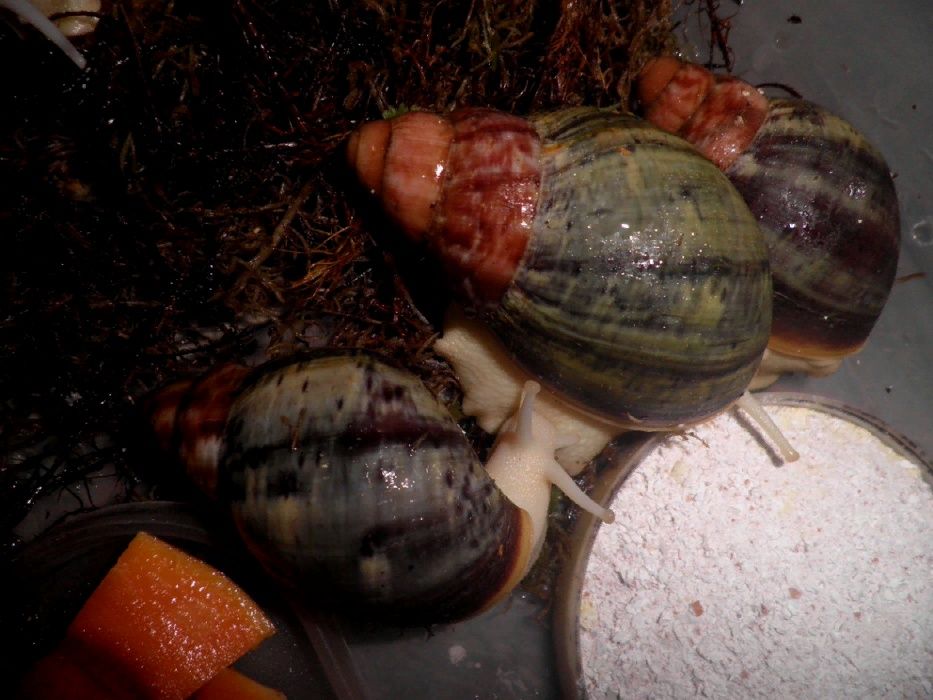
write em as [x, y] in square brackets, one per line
[617, 465]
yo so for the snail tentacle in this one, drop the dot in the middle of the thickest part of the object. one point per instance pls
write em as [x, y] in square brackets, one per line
[748, 403]
[522, 464]
[29, 13]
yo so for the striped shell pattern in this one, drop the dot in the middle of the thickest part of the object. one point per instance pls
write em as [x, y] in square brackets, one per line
[822, 194]
[347, 478]
[634, 281]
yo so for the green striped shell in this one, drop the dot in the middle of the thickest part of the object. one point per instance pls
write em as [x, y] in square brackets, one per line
[827, 206]
[346, 476]
[644, 294]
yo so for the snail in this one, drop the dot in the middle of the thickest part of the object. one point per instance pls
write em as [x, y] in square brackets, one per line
[601, 256]
[822, 194]
[346, 476]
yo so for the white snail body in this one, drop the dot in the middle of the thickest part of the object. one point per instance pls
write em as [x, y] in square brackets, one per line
[491, 380]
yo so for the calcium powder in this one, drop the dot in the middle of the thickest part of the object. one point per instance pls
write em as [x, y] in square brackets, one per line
[728, 576]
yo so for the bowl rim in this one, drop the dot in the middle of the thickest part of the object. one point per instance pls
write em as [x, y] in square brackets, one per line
[615, 465]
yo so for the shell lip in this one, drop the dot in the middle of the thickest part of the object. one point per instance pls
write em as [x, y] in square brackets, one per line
[657, 421]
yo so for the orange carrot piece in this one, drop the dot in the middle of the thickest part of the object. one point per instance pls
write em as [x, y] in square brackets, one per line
[167, 621]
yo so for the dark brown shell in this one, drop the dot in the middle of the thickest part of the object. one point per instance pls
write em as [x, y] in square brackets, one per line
[822, 194]
[825, 200]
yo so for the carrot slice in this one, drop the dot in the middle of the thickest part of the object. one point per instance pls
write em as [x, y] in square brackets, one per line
[166, 622]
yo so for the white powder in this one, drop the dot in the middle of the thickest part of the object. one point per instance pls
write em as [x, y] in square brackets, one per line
[456, 653]
[727, 576]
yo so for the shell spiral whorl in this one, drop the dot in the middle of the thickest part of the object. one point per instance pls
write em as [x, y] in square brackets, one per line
[822, 194]
[466, 182]
[629, 275]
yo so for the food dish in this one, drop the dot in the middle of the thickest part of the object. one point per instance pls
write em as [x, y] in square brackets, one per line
[781, 533]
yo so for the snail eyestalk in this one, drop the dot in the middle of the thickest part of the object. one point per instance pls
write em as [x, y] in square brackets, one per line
[757, 413]
[562, 480]
[523, 466]
[526, 411]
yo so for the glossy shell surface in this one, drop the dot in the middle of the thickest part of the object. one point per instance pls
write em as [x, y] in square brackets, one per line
[644, 293]
[347, 476]
[826, 203]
